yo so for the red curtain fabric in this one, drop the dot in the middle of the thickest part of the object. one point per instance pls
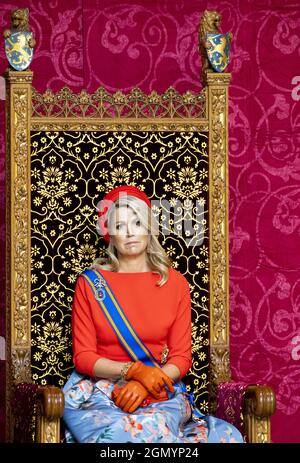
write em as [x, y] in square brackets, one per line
[153, 44]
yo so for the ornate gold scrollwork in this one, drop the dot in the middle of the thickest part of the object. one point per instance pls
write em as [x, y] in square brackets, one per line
[219, 255]
[21, 362]
[18, 102]
[104, 105]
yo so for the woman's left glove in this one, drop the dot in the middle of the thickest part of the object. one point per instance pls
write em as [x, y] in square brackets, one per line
[152, 378]
[130, 396]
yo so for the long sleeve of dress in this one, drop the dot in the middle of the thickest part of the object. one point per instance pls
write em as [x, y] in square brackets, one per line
[180, 334]
[84, 331]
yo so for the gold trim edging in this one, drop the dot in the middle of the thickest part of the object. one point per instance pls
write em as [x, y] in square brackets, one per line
[142, 125]
[18, 103]
[218, 229]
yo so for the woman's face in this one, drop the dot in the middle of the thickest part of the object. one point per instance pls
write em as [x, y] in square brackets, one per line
[128, 235]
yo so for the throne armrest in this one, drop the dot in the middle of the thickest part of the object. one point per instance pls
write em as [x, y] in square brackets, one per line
[259, 406]
[248, 407]
[50, 409]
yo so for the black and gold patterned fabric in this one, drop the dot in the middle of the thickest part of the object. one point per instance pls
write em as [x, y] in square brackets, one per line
[70, 174]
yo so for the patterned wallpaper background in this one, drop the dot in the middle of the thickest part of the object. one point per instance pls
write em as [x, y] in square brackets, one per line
[153, 44]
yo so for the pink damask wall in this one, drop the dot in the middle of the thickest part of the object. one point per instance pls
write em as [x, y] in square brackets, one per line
[153, 44]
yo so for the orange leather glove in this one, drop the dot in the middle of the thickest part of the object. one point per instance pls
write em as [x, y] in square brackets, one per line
[148, 400]
[163, 395]
[152, 378]
[130, 396]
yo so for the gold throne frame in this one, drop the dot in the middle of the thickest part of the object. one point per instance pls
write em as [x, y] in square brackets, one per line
[175, 115]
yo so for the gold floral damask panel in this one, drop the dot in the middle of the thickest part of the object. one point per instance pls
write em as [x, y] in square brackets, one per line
[70, 173]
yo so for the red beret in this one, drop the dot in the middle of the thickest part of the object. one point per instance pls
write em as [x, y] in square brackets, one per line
[111, 197]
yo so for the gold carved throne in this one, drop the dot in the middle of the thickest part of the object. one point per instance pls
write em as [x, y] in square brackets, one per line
[64, 152]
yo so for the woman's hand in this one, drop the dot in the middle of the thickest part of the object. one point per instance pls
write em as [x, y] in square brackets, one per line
[130, 396]
[152, 378]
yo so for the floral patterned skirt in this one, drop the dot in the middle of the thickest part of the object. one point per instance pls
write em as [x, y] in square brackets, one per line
[90, 415]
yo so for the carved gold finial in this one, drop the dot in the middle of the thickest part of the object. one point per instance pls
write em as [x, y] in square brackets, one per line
[19, 40]
[214, 46]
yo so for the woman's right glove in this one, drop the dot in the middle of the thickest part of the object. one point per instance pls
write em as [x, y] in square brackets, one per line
[152, 378]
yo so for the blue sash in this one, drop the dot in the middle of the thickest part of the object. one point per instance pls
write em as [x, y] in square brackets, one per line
[117, 318]
[123, 329]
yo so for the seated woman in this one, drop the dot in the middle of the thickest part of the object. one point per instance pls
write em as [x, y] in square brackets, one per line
[131, 325]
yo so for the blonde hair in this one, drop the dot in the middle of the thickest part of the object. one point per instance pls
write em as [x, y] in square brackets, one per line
[157, 258]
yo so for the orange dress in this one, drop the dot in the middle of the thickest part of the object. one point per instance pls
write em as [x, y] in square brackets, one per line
[160, 316]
